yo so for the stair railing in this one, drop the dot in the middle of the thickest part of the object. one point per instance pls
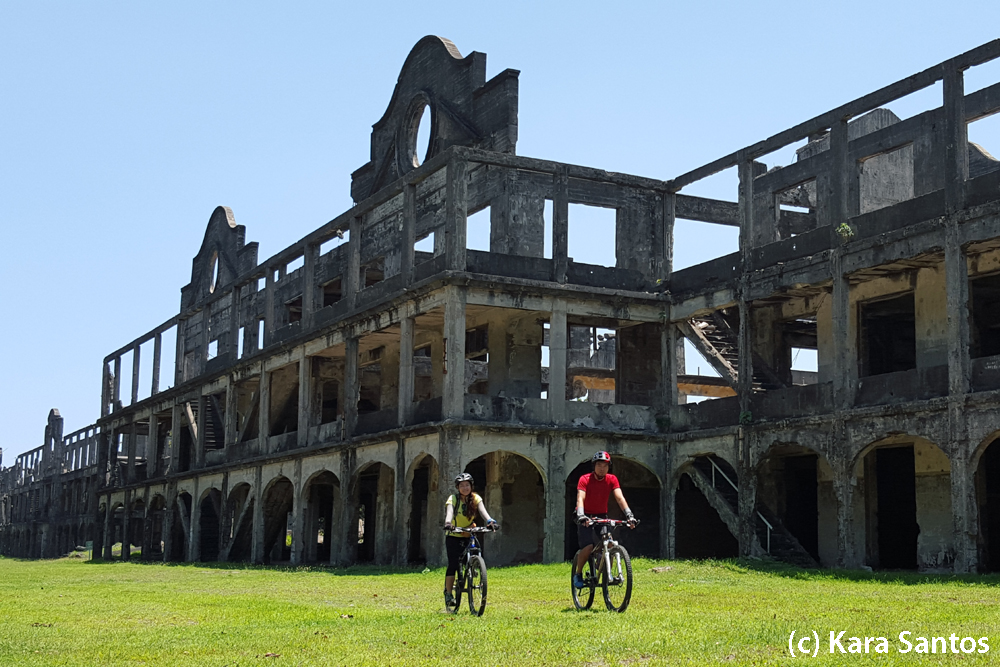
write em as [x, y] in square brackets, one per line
[722, 472]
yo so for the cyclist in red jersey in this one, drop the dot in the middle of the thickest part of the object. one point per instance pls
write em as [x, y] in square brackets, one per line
[592, 494]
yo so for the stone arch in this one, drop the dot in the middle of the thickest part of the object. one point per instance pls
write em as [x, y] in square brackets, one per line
[901, 504]
[986, 462]
[136, 526]
[237, 524]
[796, 493]
[513, 488]
[372, 497]
[278, 500]
[321, 502]
[641, 487]
[209, 525]
[117, 528]
[180, 527]
[423, 483]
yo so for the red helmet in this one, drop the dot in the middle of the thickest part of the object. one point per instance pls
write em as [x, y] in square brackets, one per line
[601, 456]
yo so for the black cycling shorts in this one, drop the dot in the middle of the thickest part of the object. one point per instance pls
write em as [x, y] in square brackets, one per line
[587, 535]
[455, 546]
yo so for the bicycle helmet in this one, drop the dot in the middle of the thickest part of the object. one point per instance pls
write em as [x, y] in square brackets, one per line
[464, 477]
[601, 456]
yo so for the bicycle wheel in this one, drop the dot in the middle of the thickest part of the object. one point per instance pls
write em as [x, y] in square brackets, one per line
[475, 580]
[617, 588]
[583, 597]
[459, 585]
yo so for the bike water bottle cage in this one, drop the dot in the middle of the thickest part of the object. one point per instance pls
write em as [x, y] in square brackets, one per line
[601, 456]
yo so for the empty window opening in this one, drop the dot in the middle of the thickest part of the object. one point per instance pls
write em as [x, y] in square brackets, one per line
[888, 335]
[423, 374]
[477, 235]
[239, 342]
[295, 265]
[373, 272]
[547, 222]
[214, 436]
[247, 409]
[422, 137]
[699, 532]
[984, 297]
[984, 145]
[145, 369]
[424, 248]
[168, 354]
[284, 415]
[915, 103]
[125, 381]
[330, 400]
[419, 516]
[698, 242]
[261, 283]
[979, 77]
[332, 292]
[370, 381]
[886, 179]
[988, 492]
[592, 234]
[213, 349]
[477, 360]
[340, 238]
[294, 310]
[260, 334]
[215, 273]
[590, 364]
[776, 159]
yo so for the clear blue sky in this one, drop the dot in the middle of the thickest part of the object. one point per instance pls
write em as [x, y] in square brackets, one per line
[122, 125]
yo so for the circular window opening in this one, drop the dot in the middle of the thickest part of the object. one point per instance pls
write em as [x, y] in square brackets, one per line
[215, 272]
[421, 134]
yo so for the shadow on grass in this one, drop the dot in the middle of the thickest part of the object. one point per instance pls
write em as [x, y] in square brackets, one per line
[906, 578]
[350, 570]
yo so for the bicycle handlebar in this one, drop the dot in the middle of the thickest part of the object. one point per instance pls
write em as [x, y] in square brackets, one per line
[614, 523]
[473, 529]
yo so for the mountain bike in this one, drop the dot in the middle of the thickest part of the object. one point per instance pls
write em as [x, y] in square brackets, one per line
[471, 577]
[609, 565]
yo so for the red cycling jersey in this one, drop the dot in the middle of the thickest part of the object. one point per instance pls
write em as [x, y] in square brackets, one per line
[597, 492]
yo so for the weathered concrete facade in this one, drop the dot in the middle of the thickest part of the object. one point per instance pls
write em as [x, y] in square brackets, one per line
[323, 399]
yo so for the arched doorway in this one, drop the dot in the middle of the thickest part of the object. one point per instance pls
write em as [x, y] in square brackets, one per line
[154, 527]
[322, 506]
[136, 524]
[373, 498]
[179, 528]
[641, 489]
[988, 500]
[903, 492]
[237, 529]
[700, 529]
[209, 534]
[278, 501]
[514, 492]
[421, 526]
[795, 493]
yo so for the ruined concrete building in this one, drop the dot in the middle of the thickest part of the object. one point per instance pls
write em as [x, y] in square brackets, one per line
[322, 399]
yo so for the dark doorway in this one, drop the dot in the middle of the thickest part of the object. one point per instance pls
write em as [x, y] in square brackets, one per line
[277, 506]
[323, 495]
[698, 530]
[417, 547]
[896, 508]
[209, 524]
[888, 335]
[984, 298]
[367, 530]
[988, 486]
[801, 507]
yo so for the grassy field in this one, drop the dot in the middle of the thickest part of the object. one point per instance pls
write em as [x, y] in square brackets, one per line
[73, 612]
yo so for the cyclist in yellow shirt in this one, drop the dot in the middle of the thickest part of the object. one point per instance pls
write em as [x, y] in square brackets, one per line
[461, 510]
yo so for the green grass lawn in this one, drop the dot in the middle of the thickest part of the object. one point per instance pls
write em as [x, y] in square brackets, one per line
[73, 612]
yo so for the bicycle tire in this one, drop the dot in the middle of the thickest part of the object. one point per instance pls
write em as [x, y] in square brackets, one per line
[617, 590]
[584, 597]
[459, 586]
[475, 582]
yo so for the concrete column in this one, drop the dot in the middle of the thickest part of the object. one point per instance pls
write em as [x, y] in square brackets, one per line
[844, 348]
[309, 291]
[352, 279]
[351, 385]
[307, 401]
[957, 289]
[385, 537]
[264, 410]
[233, 335]
[231, 426]
[132, 438]
[199, 444]
[456, 207]
[747, 507]
[298, 512]
[409, 232]
[560, 226]
[558, 344]
[453, 403]
[268, 307]
[406, 372]
[257, 540]
[135, 375]
[344, 550]
[109, 528]
[116, 392]
[127, 527]
[175, 439]
[964, 510]
[553, 550]
[664, 249]
[956, 142]
[194, 526]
